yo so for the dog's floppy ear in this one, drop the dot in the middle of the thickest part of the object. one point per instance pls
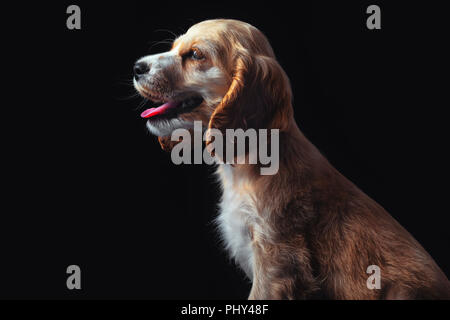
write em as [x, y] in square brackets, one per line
[259, 96]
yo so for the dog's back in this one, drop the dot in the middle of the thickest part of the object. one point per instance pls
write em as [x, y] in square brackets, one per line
[352, 232]
[325, 233]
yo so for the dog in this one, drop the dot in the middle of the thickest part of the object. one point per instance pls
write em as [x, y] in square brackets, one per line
[306, 232]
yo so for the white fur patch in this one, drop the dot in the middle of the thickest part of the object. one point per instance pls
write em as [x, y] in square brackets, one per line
[238, 213]
[164, 127]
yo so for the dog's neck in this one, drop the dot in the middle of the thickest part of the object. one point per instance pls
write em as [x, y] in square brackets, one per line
[299, 162]
[296, 155]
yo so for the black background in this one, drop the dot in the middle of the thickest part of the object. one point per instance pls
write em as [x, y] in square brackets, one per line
[86, 184]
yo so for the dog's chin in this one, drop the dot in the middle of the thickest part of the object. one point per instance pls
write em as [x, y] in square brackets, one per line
[165, 126]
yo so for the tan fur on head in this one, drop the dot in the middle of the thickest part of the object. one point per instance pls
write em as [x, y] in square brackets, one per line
[242, 84]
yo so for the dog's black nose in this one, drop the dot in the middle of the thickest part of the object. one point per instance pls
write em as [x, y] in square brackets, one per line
[140, 68]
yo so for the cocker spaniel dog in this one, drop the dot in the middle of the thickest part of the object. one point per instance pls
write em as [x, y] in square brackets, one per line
[306, 232]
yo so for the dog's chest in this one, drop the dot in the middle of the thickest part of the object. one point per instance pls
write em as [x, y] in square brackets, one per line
[238, 215]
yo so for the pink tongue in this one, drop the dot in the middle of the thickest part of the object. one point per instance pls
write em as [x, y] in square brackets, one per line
[161, 109]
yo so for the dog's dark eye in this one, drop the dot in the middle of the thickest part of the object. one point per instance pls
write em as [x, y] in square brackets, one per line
[196, 54]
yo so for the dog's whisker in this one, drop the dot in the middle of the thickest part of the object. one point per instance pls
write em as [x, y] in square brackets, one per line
[167, 30]
[129, 96]
[141, 104]
[160, 42]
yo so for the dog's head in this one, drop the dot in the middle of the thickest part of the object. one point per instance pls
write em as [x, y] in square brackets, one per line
[221, 72]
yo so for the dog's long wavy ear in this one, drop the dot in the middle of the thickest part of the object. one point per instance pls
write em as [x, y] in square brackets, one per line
[259, 96]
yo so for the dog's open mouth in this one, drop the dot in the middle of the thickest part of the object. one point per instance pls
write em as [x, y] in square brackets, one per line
[172, 108]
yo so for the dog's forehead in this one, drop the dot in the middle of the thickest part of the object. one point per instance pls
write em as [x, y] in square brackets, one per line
[213, 33]
[207, 31]
[207, 26]
[185, 42]
[197, 35]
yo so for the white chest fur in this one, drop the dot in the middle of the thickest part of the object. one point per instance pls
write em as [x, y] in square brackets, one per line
[238, 214]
